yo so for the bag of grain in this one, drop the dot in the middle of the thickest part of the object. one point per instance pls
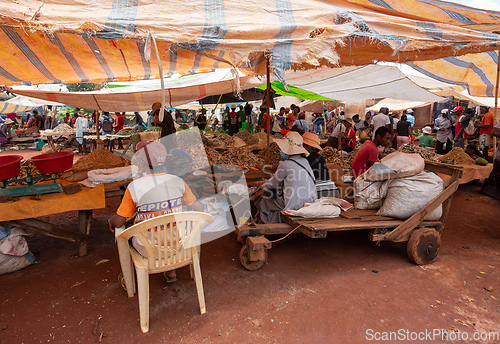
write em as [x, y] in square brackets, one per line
[395, 165]
[367, 194]
[406, 196]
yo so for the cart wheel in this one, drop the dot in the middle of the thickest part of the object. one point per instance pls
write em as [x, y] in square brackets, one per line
[245, 259]
[423, 246]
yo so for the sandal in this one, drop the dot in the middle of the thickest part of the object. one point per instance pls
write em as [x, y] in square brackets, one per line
[169, 279]
[121, 279]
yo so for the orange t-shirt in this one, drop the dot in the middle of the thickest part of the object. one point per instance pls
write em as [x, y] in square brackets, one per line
[487, 119]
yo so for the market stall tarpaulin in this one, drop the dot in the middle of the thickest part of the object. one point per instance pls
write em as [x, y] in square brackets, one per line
[140, 95]
[21, 103]
[111, 40]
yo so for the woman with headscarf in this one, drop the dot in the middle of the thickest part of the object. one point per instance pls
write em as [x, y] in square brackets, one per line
[167, 124]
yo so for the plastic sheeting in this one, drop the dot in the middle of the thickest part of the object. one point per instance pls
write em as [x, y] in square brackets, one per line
[369, 82]
[476, 72]
[64, 41]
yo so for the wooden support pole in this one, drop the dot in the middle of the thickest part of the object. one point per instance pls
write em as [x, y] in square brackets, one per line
[268, 148]
[495, 111]
[160, 69]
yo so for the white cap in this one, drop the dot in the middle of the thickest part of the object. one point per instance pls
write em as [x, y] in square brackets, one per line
[445, 111]
[409, 111]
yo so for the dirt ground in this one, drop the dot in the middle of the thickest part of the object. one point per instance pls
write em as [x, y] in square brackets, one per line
[342, 289]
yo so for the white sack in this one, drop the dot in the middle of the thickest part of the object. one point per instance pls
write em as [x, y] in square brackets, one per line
[396, 165]
[322, 207]
[406, 196]
[111, 175]
[367, 195]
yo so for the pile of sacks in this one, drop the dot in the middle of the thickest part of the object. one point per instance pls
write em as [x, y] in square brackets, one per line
[398, 186]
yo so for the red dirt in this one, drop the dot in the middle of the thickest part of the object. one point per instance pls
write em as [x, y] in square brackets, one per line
[311, 291]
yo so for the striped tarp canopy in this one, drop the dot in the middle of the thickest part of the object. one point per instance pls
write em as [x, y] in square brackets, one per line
[23, 104]
[62, 41]
[476, 72]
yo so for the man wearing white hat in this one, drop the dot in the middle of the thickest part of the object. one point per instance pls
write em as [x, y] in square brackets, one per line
[296, 177]
[444, 135]
[426, 140]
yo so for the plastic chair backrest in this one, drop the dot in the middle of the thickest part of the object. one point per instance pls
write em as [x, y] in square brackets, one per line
[169, 239]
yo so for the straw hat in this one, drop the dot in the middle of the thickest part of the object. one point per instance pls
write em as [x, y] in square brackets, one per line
[291, 144]
[233, 106]
[348, 120]
[311, 139]
[156, 106]
[427, 130]
[9, 121]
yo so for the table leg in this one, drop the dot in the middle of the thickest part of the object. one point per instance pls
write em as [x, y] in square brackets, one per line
[84, 221]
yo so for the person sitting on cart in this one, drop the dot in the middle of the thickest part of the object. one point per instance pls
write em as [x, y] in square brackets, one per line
[292, 184]
[316, 161]
[368, 154]
[171, 192]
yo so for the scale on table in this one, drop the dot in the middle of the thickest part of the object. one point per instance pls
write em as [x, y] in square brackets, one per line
[48, 164]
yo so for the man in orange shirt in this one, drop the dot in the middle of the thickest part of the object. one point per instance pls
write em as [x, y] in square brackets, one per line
[292, 117]
[485, 130]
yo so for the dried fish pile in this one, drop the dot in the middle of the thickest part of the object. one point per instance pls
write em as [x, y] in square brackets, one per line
[324, 136]
[212, 155]
[240, 157]
[154, 129]
[216, 144]
[388, 151]
[28, 166]
[278, 136]
[459, 156]
[98, 159]
[332, 155]
[424, 153]
[199, 156]
[248, 138]
[275, 156]
[227, 139]
[188, 138]
[61, 128]
[262, 137]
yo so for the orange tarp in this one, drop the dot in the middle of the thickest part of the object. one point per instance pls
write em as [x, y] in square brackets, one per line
[55, 203]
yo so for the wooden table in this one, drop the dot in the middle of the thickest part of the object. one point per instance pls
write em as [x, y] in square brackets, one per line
[61, 137]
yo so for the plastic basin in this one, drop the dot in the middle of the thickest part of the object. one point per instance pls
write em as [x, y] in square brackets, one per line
[53, 162]
[10, 166]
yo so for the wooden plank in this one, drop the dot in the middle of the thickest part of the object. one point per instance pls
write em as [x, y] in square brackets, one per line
[447, 203]
[419, 217]
[258, 243]
[443, 168]
[50, 230]
[263, 229]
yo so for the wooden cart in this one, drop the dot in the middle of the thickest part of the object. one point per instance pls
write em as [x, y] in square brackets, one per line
[423, 237]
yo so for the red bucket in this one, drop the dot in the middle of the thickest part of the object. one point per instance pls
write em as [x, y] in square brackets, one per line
[10, 166]
[53, 162]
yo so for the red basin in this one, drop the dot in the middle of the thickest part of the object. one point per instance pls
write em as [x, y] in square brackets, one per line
[10, 166]
[53, 162]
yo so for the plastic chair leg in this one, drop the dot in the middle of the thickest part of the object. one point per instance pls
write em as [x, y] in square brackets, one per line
[143, 295]
[199, 283]
[126, 265]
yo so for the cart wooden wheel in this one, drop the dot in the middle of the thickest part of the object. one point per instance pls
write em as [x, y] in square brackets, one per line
[423, 246]
[247, 263]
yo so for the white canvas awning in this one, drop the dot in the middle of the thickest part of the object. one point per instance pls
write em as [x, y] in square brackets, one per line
[139, 96]
[369, 82]
[397, 105]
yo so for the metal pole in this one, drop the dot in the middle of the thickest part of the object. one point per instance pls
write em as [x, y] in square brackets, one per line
[268, 148]
[160, 68]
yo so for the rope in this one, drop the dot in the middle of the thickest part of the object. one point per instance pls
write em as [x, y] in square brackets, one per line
[293, 230]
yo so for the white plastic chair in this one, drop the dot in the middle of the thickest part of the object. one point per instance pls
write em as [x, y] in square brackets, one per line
[171, 242]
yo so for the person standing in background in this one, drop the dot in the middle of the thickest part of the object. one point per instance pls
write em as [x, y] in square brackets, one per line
[443, 135]
[381, 120]
[410, 118]
[485, 130]
[403, 129]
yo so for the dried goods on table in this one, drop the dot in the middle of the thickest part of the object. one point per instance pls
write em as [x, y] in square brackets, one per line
[154, 129]
[424, 153]
[227, 139]
[188, 138]
[61, 128]
[240, 157]
[216, 144]
[199, 156]
[458, 156]
[124, 132]
[28, 167]
[388, 151]
[48, 149]
[212, 155]
[238, 142]
[99, 158]
[332, 155]
[324, 136]
[275, 156]
[248, 138]
[262, 137]
[278, 136]
[138, 129]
